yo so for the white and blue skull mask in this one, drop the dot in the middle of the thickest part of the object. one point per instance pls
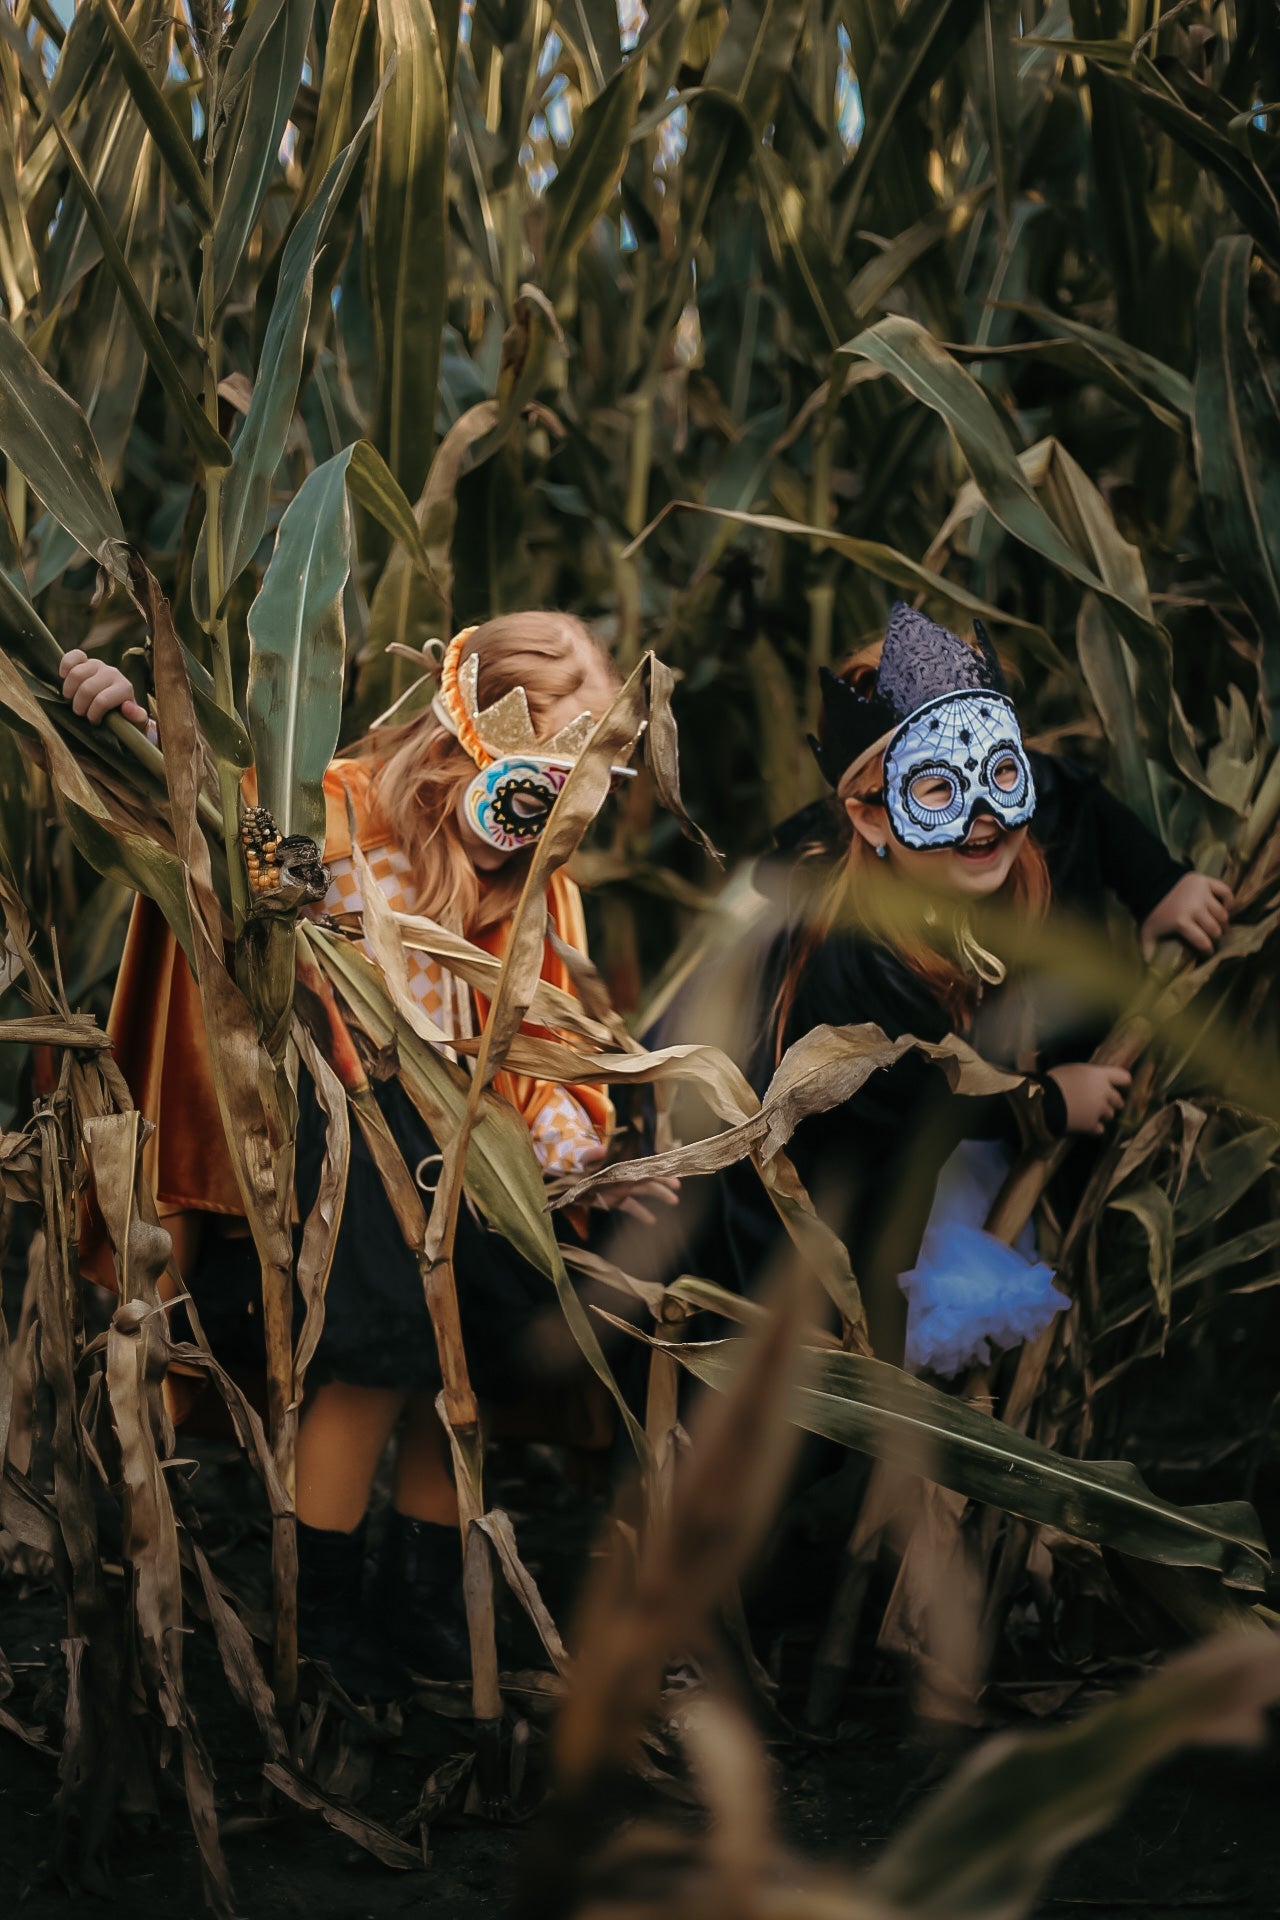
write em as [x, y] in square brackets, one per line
[958, 756]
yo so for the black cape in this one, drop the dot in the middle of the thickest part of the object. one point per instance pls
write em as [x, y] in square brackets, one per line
[871, 1164]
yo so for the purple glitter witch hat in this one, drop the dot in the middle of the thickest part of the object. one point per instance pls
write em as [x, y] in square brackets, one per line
[921, 661]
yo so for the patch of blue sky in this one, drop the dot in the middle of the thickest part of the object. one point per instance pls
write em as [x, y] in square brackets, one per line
[552, 47]
[64, 9]
[849, 114]
[632, 15]
[673, 137]
[539, 173]
[464, 21]
[627, 236]
[558, 113]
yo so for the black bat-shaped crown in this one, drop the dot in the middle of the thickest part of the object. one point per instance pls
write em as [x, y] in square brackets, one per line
[920, 662]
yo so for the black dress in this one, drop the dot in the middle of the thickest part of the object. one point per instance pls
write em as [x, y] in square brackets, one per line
[871, 1164]
[377, 1331]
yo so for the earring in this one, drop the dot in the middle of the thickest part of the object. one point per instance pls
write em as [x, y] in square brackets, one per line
[882, 853]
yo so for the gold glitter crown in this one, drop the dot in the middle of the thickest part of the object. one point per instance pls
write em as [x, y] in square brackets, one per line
[506, 727]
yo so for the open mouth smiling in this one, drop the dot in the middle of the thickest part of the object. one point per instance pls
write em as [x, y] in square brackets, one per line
[982, 843]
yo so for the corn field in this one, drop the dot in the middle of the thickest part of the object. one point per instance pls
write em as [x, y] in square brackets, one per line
[333, 326]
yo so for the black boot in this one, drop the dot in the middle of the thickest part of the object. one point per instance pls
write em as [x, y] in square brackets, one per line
[418, 1609]
[330, 1627]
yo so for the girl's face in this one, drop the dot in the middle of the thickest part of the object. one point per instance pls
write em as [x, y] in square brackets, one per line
[595, 695]
[974, 870]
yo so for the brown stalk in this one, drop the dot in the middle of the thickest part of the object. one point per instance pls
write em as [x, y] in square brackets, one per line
[253, 1098]
[580, 800]
[95, 1680]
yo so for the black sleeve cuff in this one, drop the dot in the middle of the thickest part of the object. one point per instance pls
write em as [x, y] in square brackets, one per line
[1052, 1105]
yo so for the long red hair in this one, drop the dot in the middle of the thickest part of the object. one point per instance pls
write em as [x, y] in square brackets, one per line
[849, 895]
[423, 771]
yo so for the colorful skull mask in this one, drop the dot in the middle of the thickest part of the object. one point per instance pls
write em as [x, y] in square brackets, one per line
[509, 801]
[939, 711]
[958, 757]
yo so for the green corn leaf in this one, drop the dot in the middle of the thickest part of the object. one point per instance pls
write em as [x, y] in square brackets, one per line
[885, 269]
[591, 28]
[800, 249]
[1152, 1208]
[925, 37]
[742, 82]
[209, 444]
[160, 120]
[924, 368]
[1141, 371]
[875, 1408]
[1230, 1172]
[983, 1847]
[253, 151]
[410, 607]
[589, 173]
[374, 485]
[351, 26]
[47, 437]
[999, 31]
[1237, 435]
[409, 238]
[103, 361]
[19, 269]
[250, 46]
[1109, 671]
[883, 561]
[135, 863]
[1202, 134]
[1122, 213]
[297, 640]
[111, 143]
[260, 444]
[224, 735]
[297, 645]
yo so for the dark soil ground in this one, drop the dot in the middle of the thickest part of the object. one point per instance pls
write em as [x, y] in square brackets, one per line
[1201, 1836]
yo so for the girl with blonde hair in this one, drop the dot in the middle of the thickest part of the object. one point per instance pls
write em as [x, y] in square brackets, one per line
[447, 808]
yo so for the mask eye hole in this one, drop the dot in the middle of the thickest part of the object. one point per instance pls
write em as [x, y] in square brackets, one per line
[932, 792]
[527, 807]
[1004, 774]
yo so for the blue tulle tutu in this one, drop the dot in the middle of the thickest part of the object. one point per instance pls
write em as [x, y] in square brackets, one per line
[967, 1292]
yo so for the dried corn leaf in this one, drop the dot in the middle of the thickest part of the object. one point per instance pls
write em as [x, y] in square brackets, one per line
[323, 1223]
[690, 1559]
[497, 1529]
[366, 1833]
[239, 1658]
[134, 1372]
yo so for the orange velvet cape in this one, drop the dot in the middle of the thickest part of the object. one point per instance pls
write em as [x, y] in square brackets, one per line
[157, 1030]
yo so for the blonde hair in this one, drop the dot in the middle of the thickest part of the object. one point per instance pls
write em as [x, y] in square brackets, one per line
[422, 771]
[848, 896]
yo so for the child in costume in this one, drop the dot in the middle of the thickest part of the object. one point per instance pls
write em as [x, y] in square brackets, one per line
[931, 779]
[446, 808]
